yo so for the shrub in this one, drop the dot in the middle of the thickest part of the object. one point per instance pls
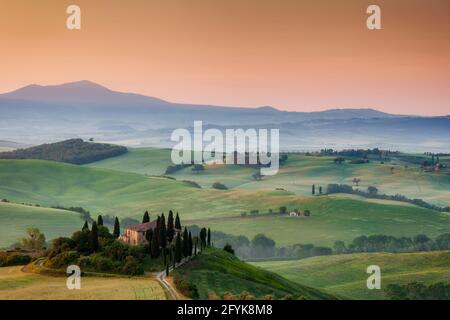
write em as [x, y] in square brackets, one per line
[229, 296]
[228, 248]
[63, 260]
[187, 288]
[213, 296]
[219, 186]
[13, 259]
[132, 267]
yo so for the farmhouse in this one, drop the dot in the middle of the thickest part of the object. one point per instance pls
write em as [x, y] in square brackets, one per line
[298, 213]
[135, 235]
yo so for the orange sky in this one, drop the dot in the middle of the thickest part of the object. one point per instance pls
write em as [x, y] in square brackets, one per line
[291, 54]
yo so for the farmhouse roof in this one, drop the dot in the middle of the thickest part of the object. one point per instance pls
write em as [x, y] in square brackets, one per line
[143, 227]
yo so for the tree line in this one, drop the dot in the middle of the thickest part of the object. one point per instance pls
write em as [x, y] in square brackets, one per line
[74, 151]
[372, 192]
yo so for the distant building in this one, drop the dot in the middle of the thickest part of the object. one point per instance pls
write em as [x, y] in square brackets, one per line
[135, 235]
[298, 213]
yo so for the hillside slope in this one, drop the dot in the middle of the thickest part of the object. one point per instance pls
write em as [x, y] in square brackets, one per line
[129, 195]
[346, 274]
[16, 218]
[217, 271]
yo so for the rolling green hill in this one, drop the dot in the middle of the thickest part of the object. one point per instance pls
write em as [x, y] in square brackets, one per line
[346, 275]
[16, 218]
[300, 172]
[129, 195]
[146, 161]
[215, 270]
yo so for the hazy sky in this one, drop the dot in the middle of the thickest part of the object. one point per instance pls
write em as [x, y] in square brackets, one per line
[291, 54]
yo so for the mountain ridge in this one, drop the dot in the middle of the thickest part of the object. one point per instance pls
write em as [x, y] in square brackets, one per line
[88, 92]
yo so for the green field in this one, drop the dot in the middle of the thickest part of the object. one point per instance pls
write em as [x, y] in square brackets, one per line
[300, 172]
[129, 195]
[146, 161]
[15, 219]
[345, 275]
[17, 285]
[220, 272]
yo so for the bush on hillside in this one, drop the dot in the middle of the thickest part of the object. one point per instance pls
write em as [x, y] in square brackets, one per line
[219, 186]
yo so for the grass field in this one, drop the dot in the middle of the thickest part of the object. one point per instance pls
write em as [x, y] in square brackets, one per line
[146, 161]
[15, 219]
[129, 195]
[17, 285]
[345, 275]
[300, 172]
[220, 272]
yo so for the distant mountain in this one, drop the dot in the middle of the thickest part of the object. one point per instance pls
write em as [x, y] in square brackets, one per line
[89, 94]
[37, 114]
[81, 93]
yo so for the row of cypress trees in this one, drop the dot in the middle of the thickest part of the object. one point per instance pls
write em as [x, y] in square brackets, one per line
[169, 239]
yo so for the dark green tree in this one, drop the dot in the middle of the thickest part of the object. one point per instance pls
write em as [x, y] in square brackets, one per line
[85, 226]
[178, 249]
[154, 246]
[146, 217]
[185, 242]
[177, 222]
[162, 232]
[99, 220]
[195, 245]
[167, 270]
[116, 232]
[94, 237]
[190, 244]
[313, 189]
[149, 235]
[208, 240]
[320, 190]
[170, 227]
[202, 238]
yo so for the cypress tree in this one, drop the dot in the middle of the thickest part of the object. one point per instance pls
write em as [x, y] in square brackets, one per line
[170, 227]
[167, 270]
[190, 244]
[146, 217]
[202, 238]
[94, 237]
[165, 256]
[178, 253]
[313, 190]
[162, 232]
[99, 220]
[177, 222]
[149, 235]
[185, 243]
[195, 245]
[154, 246]
[116, 232]
[173, 256]
[209, 237]
[85, 226]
